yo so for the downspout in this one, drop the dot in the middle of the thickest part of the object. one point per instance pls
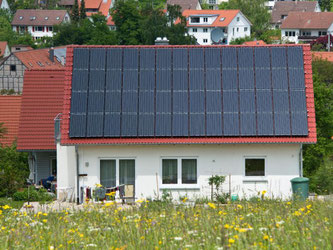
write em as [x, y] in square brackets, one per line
[77, 176]
[301, 161]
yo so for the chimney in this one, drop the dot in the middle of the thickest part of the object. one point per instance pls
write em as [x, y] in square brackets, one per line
[51, 54]
[161, 41]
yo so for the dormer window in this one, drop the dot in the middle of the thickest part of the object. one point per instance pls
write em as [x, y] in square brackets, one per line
[283, 17]
[57, 18]
[32, 18]
[21, 17]
[205, 19]
[46, 18]
[195, 19]
[237, 19]
[222, 19]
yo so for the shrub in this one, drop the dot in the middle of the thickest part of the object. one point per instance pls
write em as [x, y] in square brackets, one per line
[322, 181]
[31, 194]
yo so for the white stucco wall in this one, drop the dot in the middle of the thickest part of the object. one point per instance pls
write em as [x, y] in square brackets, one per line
[281, 165]
[233, 33]
[4, 5]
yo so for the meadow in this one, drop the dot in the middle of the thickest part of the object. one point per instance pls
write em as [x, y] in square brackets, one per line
[262, 224]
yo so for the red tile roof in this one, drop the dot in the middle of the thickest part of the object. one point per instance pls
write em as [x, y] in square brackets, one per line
[10, 107]
[38, 17]
[323, 55]
[228, 16]
[252, 43]
[3, 46]
[41, 102]
[38, 59]
[110, 22]
[308, 20]
[103, 6]
[311, 138]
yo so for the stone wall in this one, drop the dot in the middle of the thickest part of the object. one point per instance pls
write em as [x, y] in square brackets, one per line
[10, 78]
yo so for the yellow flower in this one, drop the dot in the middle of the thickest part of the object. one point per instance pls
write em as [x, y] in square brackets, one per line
[142, 237]
[160, 242]
[226, 226]
[288, 203]
[98, 185]
[185, 199]
[239, 206]
[266, 237]
[231, 241]
[308, 206]
[211, 205]
[297, 213]
[236, 236]
[6, 207]
[263, 192]
[3, 228]
[44, 220]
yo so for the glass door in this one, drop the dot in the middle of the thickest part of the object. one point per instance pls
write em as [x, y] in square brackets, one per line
[127, 172]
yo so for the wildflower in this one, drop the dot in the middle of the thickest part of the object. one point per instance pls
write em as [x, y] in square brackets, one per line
[308, 206]
[98, 185]
[5, 207]
[263, 192]
[211, 205]
[51, 247]
[185, 199]
[297, 213]
[160, 242]
[231, 241]
[266, 237]
[178, 238]
[239, 206]
[142, 237]
[226, 226]
[91, 245]
[288, 203]
[236, 236]
[44, 220]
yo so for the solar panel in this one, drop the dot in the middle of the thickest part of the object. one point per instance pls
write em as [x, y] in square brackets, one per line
[282, 123]
[230, 124]
[248, 124]
[265, 124]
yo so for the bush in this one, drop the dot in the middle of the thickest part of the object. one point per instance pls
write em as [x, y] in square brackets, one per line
[31, 194]
[322, 181]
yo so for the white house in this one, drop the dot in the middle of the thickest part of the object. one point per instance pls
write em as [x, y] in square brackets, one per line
[4, 5]
[217, 26]
[39, 23]
[169, 117]
[4, 49]
[306, 26]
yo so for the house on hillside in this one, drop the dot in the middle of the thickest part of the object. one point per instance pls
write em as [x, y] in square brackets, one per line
[185, 4]
[168, 118]
[306, 26]
[281, 10]
[68, 4]
[4, 5]
[323, 55]
[12, 68]
[4, 49]
[39, 23]
[41, 103]
[217, 26]
[20, 47]
[10, 107]
[98, 6]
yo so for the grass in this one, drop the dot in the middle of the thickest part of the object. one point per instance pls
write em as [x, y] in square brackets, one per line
[11, 203]
[245, 225]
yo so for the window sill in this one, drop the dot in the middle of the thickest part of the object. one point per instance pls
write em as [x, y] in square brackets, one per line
[262, 179]
[180, 187]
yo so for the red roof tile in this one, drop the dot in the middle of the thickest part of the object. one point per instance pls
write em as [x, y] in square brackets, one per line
[110, 22]
[41, 102]
[252, 43]
[103, 6]
[10, 107]
[323, 55]
[3, 46]
[35, 17]
[38, 59]
[311, 138]
[308, 20]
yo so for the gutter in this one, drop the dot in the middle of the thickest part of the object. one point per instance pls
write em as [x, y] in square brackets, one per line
[301, 161]
[77, 176]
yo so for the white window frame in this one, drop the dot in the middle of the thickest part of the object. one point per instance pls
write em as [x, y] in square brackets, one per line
[205, 40]
[255, 178]
[245, 29]
[205, 19]
[117, 167]
[179, 184]
[205, 30]
[194, 30]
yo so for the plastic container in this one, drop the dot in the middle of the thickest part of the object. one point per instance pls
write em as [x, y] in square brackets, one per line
[300, 187]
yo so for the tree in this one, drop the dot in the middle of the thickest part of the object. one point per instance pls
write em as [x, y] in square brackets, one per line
[325, 5]
[255, 11]
[83, 14]
[3, 130]
[75, 16]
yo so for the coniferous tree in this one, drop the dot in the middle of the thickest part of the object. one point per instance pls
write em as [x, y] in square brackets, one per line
[83, 14]
[75, 12]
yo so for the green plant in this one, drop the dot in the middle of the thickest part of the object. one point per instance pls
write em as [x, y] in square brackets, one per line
[166, 196]
[32, 194]
[222, 198]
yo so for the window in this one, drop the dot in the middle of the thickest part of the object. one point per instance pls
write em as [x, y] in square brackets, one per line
[108, 173]
[169, 171]
[195, 19]
[205, 19]
[286, 33]
[54, 167]
[189, 171]
[205, 40]
[40, 28]
[283, 17]
[290, 33]
[233, 31]
[306, 33]
[126, 172]
[179, 171]
[194, 30]
[205, 30]
[322, 33]
[237, 19]
[12, 67]
[51, 28]
[245, 29]
[254, 167]
[212, 2]
[237, 29]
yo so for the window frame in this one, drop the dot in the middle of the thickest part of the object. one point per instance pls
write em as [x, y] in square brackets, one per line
[205, 30]
[194, 30]
[205, 19]
[117, 167]
[205, 40]
[179, 184]
[259, 178]
[12, 68]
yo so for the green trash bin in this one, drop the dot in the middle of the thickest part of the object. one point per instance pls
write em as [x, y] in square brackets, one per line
[300, 187]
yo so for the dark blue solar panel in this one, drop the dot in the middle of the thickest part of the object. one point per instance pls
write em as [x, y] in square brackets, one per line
[247, 101]
[95, 124]
[179, 124]
[213, 101]
[163, 102]
[81, 58]
[229, 79]
[163, 80]
[96, 102]
[229, 58]
[214, 124]
[262, 58]
[112, 124]
[79, 102]
[197, 102]
[163, 59]
[80, 80]
[213, 58]
[197, 124]
[246, 78]
[130, 59]
[296, 78]
[213, 80]
[248, 124]
[280, 79]
[163, 124]
[299, 123]
[282, 123]
[264, 101]
[229, 68]
[245, 58]
[196, 57]
[197, 80]
[77, 125]
[281, 101]
[180, 58]
[146, 124]
[295, 57]
[230, 101]
[114, 58]
[128, 125]
[265, 124]
[147, 59]
[297, 101]
[263, 79]
[279, 57]
[231, 124]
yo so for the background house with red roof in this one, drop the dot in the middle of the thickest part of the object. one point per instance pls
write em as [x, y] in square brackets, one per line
[42, 101]
[168, 118]
[13, 67]
[10, 108]
[306, 26]
[217, 26]
[4, 5]
[4, 49]
[323, 55]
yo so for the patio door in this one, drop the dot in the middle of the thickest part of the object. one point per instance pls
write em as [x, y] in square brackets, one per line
[127, 172]
[117, 172]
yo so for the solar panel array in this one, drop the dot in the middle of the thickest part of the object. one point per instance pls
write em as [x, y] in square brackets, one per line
[188, 92]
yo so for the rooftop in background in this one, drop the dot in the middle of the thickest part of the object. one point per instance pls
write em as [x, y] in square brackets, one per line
[308, 20]
[282, 8]
[323, 55]
[224, 17]
[20, 47]
[186, 4]
[95, 6]
[42, 100]
[253, 43]
[38, 17]
[3, 46]
[188, 94]
[66, 2]
[10, 107]
[39, 59]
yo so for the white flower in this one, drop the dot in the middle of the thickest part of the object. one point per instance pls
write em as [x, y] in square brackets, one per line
[263, 228]
[280, 222]
[91, 245]
[188, 246]
[178, 238]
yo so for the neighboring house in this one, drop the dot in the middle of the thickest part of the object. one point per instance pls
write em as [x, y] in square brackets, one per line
[13, 67]
[41, 103]
[306, 26]
[68, 4]
[252, 43]
[4, 49]
[4, 5]
[111, 23]
[282, 9]
[10, 107]
[168, 118]
[217, 26]
[323, 55]
[98, 6]
[20, 47]
[39, 23]
[186, 4]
